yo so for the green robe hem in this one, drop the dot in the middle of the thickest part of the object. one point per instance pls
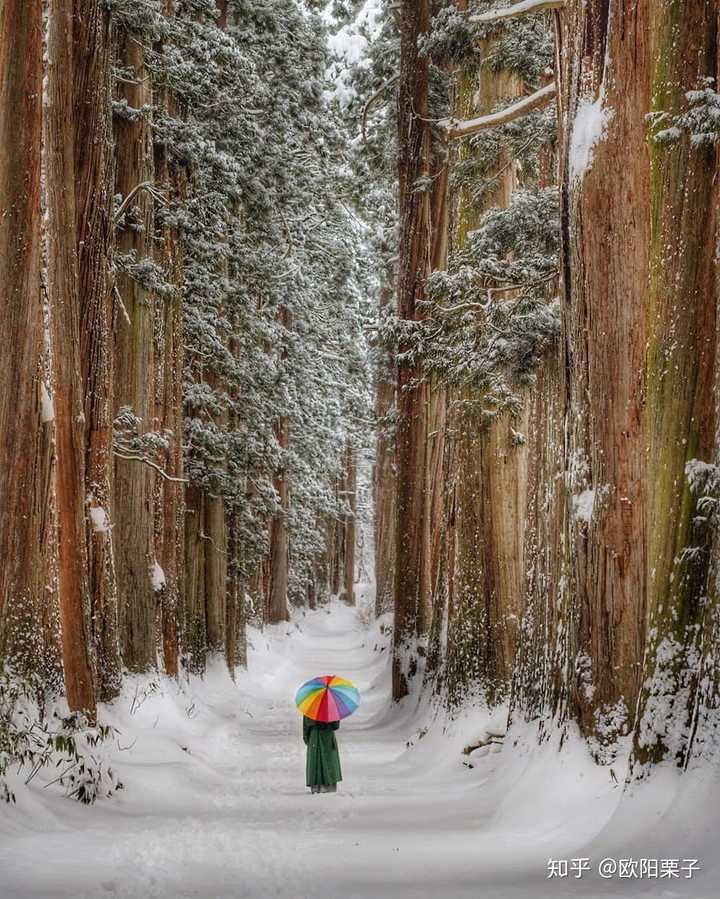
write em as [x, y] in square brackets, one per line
[323, 759]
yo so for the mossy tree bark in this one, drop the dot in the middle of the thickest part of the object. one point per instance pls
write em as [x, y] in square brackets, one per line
[681, 377]
[704, 731]
[488, 468]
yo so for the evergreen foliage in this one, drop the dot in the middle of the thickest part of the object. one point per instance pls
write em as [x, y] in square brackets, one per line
[273, 298]
[492, 316]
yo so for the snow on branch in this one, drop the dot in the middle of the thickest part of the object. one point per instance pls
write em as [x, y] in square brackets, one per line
[518, 9]
[456, 129]
[152, 464]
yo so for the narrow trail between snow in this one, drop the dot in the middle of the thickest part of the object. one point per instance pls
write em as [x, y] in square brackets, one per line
[215, 804]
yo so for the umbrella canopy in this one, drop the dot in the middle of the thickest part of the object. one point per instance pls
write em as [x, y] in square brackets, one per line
[328, 698]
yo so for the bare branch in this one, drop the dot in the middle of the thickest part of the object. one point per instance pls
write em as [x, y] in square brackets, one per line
[456, 129]
[152, 464]
[144, 185]
[376, 96]
[518, 9]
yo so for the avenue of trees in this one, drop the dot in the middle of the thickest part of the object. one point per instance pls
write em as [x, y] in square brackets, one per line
[184, 389]
[556, 542]
[488, 266]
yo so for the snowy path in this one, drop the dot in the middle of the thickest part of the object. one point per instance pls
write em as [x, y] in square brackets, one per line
[215, 804]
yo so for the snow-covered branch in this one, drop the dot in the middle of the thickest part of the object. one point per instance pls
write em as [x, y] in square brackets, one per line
[518, 9]
[483, 307]
[153, 465]
[456, 129]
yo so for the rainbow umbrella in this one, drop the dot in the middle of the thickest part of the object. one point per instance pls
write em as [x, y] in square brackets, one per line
[328, 698]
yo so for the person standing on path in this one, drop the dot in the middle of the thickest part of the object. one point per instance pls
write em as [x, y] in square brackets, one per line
[322, 769]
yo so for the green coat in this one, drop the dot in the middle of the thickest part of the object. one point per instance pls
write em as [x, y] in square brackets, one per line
[323, 759]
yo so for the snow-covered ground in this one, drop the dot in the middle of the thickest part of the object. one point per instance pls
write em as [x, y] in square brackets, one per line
[215, 805]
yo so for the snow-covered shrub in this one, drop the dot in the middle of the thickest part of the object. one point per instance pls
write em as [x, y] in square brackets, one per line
[59, 749]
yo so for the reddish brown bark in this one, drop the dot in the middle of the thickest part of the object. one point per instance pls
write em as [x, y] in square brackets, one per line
[681, 378]
[604, 60]
[384, 486]
[27, 599]
[133, 525]
[93, 230]
[419, 439]
[20, 133]
[169, 506]
[412, 593]
[73, 580]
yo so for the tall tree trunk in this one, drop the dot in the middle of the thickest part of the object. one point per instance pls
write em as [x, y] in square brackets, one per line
[93, 230]
[20, 221]
[436, 399]
[194, 635]
[73, 577]
[705, 723]
[133, 529]
[235, 623]
[277, 607]
[605, 269]
[235, 606]
[489, 468]
[540, 662]
[215, 570]
[412, 588]
[27, 598]
[215, 524]
[47, 653]
[336, 542]
[169, 536]
[78, 188]
[384, 485]
[680, 379]
[279, 546]
[350, 527]
[536, 686]
[436, 411]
